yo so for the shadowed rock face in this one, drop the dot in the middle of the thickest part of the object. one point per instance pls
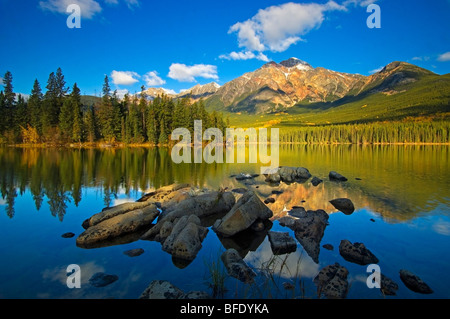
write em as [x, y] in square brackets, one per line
[332, 282]
[244, 213]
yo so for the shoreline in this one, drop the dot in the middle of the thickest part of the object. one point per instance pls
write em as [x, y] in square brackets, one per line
[101, 145]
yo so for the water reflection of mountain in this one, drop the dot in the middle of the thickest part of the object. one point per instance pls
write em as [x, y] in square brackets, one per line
[398, 182]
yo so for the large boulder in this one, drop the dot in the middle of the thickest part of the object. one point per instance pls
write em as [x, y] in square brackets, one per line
[332, 282]
[118, 226]
[244, 213]
[309, 228]
[212, 203]
[186, 237]
[414, 283]
[357, 253]
[344, 205]
[236, 266]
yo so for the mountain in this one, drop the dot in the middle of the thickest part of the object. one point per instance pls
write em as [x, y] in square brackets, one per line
[200, 91]
[196, 93]
[294, 83]
[279, 85]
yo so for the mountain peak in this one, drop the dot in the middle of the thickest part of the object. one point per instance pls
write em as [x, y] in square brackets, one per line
[297, 63]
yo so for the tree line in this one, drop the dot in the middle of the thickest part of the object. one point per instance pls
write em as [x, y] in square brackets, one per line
[59, 116]
[370, 133]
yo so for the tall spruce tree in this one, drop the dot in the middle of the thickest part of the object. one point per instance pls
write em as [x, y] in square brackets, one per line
[35, 106]
[9, 101]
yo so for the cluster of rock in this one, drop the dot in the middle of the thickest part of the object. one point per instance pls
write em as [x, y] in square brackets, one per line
[184, 215]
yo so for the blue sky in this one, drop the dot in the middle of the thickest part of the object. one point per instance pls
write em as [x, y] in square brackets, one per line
[178, 44]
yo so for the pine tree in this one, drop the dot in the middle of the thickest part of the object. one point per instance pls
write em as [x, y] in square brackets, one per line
[77, 126]
[90, 125]
[9, 101]
[35, 106]
[106, 113]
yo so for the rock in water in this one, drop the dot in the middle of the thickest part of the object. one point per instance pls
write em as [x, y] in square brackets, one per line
[186, 237]
[356, 253]
[162, 289]
[236, 266]
[316, 181]
[244, 213]
[134, 252]
[309, 229]
[414, 283]
[344, 205]
[118, 225]
[68, 235]
[101, 279]
[332, 282]
[202, 206]
[334, 176]
[281, 243]
[388, 286]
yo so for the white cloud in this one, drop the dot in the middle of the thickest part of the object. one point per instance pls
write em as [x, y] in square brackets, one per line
[376, 70]
[276, 28]
[184, 73]
[1, 80]
[124, 77]
[444, 57]
[152, 79]
[361, 3]
[89, 8]
[132, 3]
[245, 55]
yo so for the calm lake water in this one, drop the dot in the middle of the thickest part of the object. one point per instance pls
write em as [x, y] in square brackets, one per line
[402, 215]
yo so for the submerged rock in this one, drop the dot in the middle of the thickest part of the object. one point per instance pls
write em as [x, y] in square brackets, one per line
[316, 181]
[357, 253]
[244, 213]
[414, 283]
[101, 279]
[281, 243]
[334, 176]
[269, 200]
[134, 252]
[328, 247]
[67, 235]
[309, 229]
[236, 266]
[344, 205]
[332, 282]
[388, 286]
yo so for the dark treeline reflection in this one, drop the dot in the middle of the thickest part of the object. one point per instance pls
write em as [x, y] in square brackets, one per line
[59, 175]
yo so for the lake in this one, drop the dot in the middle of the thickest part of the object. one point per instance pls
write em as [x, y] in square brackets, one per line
[401, 195]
